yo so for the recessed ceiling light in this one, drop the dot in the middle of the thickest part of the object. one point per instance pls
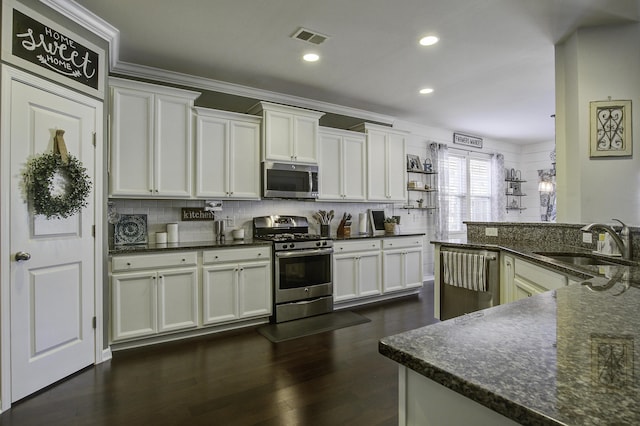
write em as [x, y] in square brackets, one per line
[311, 57]
[429, 40]
[426, 91]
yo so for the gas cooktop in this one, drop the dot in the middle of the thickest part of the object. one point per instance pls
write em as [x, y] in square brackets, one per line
[286, 230]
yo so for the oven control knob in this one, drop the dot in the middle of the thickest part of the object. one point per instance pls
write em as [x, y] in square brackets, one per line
[306, 290]
[291, 245]
[318, 244]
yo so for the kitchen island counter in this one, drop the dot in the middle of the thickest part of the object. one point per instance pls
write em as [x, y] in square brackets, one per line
[564, 357]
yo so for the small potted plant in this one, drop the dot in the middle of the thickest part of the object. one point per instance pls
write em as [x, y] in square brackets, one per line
[390, 225]
[419, 201]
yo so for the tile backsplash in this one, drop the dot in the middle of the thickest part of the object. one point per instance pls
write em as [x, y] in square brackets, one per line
[239, 214]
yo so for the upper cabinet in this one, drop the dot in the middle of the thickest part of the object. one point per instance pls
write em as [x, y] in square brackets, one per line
[151, 140]
[386, 156]
[227, 155]
[289, 134]
[342, 165]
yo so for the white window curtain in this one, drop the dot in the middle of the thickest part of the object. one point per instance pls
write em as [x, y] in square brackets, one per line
[498, 189]
[440, 159]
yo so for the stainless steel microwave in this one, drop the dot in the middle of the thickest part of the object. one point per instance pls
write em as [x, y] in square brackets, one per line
[287, 180]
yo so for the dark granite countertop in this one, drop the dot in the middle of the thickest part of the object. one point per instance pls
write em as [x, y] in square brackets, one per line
[531, 252]
[363, 236]
[194, 245]
[564, 357]
[228, 243]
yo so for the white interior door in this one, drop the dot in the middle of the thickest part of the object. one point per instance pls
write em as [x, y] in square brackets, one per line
[52, 293]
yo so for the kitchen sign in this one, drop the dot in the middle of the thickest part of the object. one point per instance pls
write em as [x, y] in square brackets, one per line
[34, 42]
[192, 214]
[472, 141]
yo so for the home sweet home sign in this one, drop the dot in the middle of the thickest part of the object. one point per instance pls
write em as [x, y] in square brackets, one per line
[43, 47]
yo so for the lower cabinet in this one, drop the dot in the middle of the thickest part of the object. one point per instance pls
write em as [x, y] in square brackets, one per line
[155, 294]
[151, 300]
[357, 269]
[236, 284]
[376, 267]
[521, 279]
[402, 263]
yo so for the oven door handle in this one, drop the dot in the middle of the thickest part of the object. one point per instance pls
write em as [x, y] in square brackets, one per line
[303, 253]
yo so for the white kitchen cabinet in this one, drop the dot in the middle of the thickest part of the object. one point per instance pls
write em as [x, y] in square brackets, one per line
[133, 305]
[357, 269]
[153, 294]
[386, 163]
[227, 155]
[236, 284]
[342, 165]
[151, 140]
[507, 274]
[402, 263]
[289, 134]
[521, 279]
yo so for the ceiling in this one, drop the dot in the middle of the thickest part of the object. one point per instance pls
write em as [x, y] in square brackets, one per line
[492, 71]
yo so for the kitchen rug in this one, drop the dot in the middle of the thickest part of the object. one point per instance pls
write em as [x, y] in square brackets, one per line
[307, 326]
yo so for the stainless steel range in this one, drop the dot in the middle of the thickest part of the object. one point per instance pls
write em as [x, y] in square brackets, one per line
[302, 270]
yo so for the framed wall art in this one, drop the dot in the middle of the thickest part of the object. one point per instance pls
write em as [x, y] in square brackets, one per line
[413, 162]
[610, 133]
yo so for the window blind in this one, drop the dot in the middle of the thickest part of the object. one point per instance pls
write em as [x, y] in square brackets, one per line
[469, 190]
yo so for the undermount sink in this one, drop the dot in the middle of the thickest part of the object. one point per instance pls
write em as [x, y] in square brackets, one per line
[580, 259]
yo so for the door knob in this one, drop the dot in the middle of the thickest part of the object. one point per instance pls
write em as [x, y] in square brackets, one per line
[21, 255]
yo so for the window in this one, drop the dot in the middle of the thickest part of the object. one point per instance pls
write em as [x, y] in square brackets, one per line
[469, 190]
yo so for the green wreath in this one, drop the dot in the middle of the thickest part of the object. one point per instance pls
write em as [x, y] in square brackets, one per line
[69, 195]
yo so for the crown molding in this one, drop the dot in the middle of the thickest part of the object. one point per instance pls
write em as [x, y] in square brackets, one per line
[91, 22]
[108, 32]
[172, 77]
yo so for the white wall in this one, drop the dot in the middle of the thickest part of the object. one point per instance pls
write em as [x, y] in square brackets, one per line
[593, 65]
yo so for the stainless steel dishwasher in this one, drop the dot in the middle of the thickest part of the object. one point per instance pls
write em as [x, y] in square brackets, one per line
[457, 300]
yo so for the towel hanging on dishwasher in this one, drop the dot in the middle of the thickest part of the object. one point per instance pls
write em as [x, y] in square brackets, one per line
[465, 270]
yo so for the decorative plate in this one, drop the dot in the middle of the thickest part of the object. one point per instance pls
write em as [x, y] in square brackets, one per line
[131, 229]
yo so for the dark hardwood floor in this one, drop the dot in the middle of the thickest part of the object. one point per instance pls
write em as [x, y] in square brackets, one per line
[332, 378]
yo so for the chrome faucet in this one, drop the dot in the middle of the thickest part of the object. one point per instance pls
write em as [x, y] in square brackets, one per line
[623, 241]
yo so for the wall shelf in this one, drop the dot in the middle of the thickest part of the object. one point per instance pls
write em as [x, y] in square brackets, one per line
[514, 194]
[424, 182]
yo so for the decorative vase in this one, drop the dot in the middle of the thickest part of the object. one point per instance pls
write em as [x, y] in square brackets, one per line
[389, 227]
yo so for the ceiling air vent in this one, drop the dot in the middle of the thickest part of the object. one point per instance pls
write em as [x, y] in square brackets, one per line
[309, 36]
